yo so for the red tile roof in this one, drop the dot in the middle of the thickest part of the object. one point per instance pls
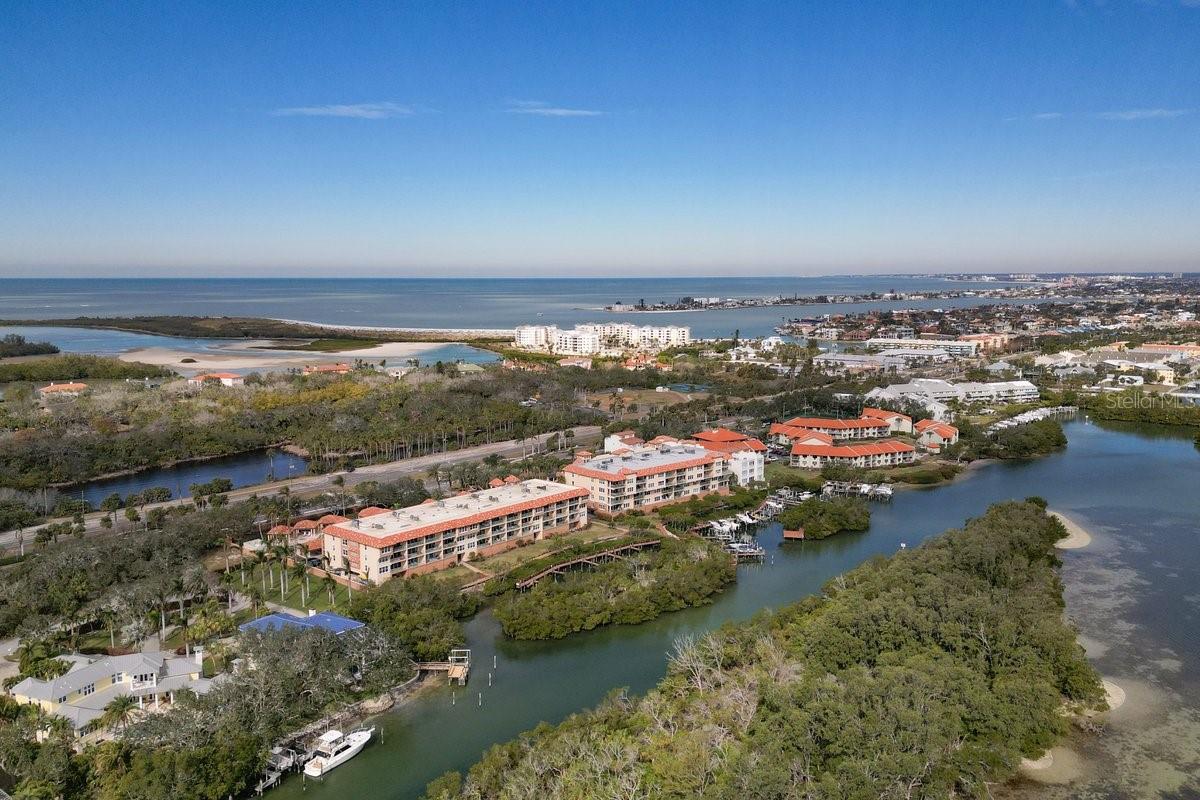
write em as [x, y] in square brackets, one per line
[720, 435]
[280, 530]
[883, 413]
[852, 450]
[833, 424]
[808, 436]
[371, 511]
[331, 519]
[362, 537]
[740, 446]
[625, 472]
[306, 525]
[943, 429]
[215, 376]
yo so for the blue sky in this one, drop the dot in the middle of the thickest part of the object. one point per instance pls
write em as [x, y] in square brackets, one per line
[598, 138]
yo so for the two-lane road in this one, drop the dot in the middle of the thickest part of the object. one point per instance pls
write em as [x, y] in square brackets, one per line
[317, 484]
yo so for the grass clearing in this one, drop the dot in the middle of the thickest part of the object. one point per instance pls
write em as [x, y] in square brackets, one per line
[503, 562]
[317, 600]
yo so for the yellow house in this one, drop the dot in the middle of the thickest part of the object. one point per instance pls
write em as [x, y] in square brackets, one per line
[81, 694]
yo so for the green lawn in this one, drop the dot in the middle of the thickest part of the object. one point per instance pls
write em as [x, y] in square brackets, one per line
[779, 474]
[319, 599]
[925, 474]
[503, 562]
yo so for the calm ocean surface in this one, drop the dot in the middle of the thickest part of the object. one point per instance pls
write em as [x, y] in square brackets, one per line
[453, 303]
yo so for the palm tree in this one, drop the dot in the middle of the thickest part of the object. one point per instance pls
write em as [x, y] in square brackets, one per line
[256, 599]
[300, 572]
[330, 584]
[340, 482]
[349, 578]
[227, 581]
[280, 552]
[118, 713]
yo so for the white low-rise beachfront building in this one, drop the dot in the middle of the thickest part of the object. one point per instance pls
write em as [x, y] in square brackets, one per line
[1188, 394]
[81, 694]
[953, 347]
[382, 544]
[598, 337]
[223, 378]
[927, 391]
[909, 357]
[647, 476]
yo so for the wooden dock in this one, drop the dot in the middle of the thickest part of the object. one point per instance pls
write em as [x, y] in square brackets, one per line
[457, 667]
[592, 559]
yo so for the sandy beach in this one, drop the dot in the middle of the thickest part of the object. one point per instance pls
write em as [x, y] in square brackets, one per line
[1076, 537]
[256, 356]
[1057, 765]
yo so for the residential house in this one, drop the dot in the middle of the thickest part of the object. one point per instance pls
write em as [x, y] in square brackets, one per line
[935, 435]
[80, 695]
[223, 378]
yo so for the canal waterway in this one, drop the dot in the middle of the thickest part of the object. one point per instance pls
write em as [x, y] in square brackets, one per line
[1134, 593]
[245, 469]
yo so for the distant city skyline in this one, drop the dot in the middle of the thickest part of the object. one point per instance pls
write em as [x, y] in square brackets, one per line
[608, 139]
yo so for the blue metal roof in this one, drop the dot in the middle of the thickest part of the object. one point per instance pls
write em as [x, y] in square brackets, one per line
[334, 623]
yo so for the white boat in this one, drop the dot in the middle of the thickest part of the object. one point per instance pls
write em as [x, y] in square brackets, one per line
[335, 748]
[745, 519]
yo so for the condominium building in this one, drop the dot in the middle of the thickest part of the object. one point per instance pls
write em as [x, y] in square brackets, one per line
[888, 453]
[747, 455]
[594, 337]
[923, 389]
[441, 533]
[989, 342]
[648, 476]
[954, 348]
[866, 428]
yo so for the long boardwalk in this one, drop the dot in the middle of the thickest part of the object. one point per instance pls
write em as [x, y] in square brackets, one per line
[594, 559]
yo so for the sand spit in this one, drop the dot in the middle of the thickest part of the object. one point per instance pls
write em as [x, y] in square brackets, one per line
[1076, 536]
[256, 356]
[1114, 694]
[1057, 765]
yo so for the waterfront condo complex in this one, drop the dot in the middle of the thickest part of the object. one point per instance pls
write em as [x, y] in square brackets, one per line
[814, 454]
[382, 544]
[594, 338]
[646, 476]
[865, 428]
